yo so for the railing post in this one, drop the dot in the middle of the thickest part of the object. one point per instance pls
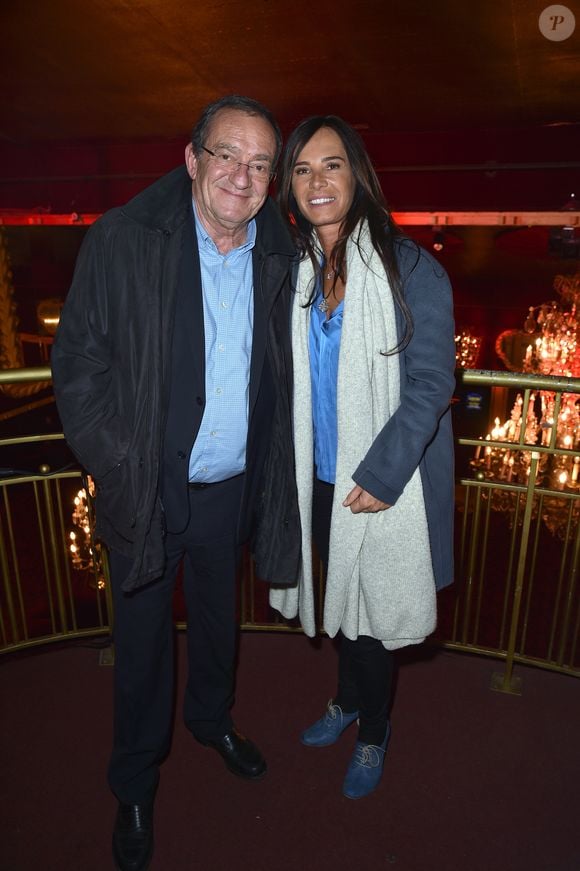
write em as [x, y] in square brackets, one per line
[13, 622]
[54, 549]
[473, 549]
[508, 683]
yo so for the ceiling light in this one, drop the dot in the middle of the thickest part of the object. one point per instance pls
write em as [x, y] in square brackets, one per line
[438, 240]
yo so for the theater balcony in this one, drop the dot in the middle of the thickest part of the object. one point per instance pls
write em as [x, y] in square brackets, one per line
[470, 114]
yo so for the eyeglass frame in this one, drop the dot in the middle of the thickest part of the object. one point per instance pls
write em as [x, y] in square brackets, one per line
[237, 163]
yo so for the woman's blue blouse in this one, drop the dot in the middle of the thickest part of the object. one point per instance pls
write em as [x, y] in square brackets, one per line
[324, 347]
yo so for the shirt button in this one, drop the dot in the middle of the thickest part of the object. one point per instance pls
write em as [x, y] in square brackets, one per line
[224, 304]
[220, 347]
[213, 432]
[218, 390]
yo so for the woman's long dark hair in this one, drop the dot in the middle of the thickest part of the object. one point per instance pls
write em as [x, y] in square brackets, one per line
[368, 203]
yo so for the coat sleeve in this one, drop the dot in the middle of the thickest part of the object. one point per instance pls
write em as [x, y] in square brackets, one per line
[82, 359]
[427, 368]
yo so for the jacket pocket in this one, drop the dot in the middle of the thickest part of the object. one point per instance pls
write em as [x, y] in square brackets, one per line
[117, 496]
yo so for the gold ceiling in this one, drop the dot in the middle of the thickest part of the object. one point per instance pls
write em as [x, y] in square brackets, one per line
[73, 69]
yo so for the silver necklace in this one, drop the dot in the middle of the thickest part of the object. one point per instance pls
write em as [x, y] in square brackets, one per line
[323, 305]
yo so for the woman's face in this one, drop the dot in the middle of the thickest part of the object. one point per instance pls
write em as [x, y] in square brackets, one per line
[323, 183]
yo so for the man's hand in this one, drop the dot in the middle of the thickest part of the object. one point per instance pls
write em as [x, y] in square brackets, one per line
[359, 501]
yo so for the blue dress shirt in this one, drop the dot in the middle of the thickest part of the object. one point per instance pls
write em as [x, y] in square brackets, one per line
[324, 348]
[219, 451]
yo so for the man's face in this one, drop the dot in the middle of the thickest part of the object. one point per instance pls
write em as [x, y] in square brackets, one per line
[227, 198]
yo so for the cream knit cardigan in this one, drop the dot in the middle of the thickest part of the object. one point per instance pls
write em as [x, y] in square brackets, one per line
[380, 578]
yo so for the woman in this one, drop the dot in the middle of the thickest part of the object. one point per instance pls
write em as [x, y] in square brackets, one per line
[374, 359]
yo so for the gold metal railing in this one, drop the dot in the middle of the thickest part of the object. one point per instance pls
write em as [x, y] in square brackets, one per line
[42, 597]
[518, 553]
[515, 597]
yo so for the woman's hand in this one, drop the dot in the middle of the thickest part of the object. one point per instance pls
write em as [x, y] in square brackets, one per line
[359, 501]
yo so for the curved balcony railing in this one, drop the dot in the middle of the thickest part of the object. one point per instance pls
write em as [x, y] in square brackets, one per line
[515, 596]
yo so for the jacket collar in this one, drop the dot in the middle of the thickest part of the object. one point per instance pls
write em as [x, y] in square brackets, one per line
[166, 204]
[272, 235]
[163, 205]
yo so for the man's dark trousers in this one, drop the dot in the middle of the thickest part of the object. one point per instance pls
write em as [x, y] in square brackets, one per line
[144, 642]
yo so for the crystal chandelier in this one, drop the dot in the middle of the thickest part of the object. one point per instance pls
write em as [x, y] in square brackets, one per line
[550, 420]
[467, 348]
[82, 554]
[80, 547]
[554, 330]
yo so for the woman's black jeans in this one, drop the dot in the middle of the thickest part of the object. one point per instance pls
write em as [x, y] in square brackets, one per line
[365, 667]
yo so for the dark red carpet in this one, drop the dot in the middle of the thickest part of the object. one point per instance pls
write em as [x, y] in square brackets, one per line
[474, 780]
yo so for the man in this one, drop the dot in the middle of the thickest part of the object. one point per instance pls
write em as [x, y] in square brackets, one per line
[169, 366]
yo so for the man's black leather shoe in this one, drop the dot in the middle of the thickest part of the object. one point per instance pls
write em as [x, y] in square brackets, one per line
[241, 755]
[133, 837]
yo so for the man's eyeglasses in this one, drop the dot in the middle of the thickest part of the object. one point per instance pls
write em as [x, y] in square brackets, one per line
[258, 170]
